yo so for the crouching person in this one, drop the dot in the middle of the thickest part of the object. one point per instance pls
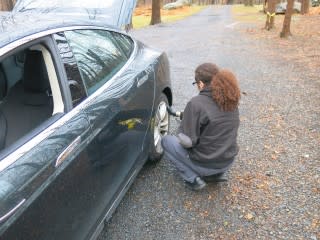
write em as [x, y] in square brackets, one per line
[206, 144]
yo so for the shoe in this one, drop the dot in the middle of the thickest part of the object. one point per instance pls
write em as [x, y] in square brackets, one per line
[196, 185]
[220, 177]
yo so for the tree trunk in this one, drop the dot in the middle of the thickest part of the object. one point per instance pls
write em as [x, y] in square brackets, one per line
[6, 5]
[287, 20]
[156, 14]
[141, 3]
[265, 6]
[305, 4]
[248, 2]
[270, 14]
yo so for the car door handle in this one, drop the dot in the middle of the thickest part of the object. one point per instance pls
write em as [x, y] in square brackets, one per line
[70, 149]
[142, 80]
[8, 214]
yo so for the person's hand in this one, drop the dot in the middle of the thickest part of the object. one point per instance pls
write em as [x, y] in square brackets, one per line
[184, 140]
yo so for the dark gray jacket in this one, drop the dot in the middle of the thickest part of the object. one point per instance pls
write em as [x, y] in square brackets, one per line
[213, 132]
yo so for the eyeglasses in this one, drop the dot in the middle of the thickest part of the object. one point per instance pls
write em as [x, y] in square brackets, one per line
[195, 83]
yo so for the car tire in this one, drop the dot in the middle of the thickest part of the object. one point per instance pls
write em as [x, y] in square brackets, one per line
[160, 128]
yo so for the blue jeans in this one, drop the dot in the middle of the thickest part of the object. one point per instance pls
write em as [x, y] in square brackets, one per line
[179, 156]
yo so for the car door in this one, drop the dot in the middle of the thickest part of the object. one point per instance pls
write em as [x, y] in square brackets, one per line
[43, 168]
[101, 64]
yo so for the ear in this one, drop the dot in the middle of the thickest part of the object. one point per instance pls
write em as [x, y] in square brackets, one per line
[201, 85]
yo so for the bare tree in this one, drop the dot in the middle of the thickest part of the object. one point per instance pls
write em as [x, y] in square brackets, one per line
[156, 13]
[305, 5]
[287, 20]
[7, 5]
[248, 2]
[142, 3]
[271, 13]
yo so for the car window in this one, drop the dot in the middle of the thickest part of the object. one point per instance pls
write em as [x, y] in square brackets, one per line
[98, 55]
[30, 95]
[124, 42]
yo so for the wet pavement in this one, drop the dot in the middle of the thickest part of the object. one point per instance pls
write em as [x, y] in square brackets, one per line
[273, 188]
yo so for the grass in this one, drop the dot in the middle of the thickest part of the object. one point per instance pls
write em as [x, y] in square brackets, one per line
[142, 15]
[140, 21]
[247, 13]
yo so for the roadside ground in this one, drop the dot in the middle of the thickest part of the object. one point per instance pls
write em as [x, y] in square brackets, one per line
[303, 47]
[273, 188]
[142, 15]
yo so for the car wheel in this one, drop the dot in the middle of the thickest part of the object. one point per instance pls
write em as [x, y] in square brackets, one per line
[161, 123]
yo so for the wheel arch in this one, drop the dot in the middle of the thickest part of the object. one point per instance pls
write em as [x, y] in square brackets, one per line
[167, 91]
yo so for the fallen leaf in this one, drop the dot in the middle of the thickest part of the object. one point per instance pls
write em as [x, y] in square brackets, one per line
[274, 157]
[249, 216]
[204, 214]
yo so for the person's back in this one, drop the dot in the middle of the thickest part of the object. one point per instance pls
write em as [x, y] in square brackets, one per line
[218, 145]
[210, 122]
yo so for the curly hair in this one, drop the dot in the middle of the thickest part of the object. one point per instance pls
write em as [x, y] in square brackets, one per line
[225, 90]
[205, 72]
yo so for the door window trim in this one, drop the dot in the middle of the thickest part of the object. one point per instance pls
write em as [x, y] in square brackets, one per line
[27, 142]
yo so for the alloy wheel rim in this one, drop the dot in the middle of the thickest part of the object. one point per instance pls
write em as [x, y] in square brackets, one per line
[161, 127]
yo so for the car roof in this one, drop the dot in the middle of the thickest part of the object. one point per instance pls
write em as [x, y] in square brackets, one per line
[14, 26]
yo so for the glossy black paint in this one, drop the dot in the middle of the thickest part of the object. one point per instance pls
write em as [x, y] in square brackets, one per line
[110, 133]
[115, 12]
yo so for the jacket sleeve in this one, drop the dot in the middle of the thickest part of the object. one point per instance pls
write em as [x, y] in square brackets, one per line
[190, 124]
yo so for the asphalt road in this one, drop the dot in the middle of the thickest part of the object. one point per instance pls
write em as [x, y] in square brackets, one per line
[273, 188]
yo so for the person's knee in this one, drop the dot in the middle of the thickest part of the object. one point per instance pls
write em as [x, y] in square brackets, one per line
[168, 141]
[164, 141]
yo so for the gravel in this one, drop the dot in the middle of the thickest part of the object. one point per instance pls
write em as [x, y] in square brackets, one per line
[273, 188]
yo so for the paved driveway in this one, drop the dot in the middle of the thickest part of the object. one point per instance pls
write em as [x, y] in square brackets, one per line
[273, 188]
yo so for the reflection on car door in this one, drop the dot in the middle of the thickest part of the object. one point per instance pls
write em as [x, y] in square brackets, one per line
[43, 180]
[118, 107]
[53, 173]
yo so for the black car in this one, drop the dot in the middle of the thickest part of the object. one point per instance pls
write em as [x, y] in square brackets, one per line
[82, 108]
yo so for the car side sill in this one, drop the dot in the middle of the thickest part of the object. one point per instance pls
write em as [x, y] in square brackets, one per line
[114, 205]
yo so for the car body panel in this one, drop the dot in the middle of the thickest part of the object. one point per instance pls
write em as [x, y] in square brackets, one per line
[113, 12]
[29, 26]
